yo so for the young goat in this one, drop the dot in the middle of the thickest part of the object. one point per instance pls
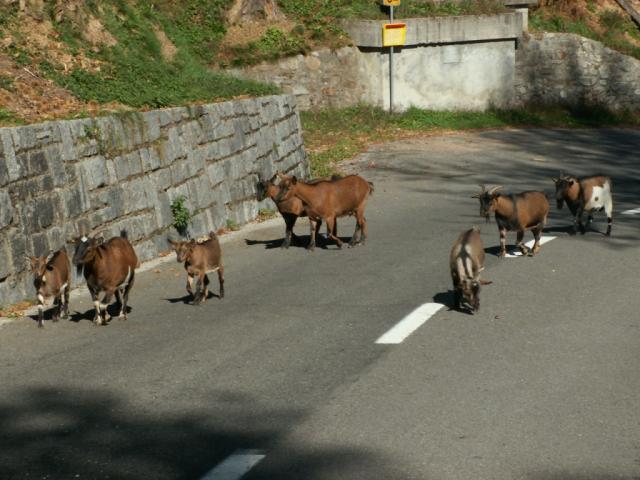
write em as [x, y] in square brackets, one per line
[329, 200]
[466, 261]
[109, 268]
[516, 212]
[585, 194]
[51, 277]
[200, 259]
[290, 209]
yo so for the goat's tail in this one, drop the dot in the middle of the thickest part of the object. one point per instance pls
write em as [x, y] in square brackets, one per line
[212, 235]
[124, 234]
[371, 189]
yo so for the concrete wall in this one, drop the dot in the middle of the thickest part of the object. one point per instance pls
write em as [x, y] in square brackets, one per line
[463, 76]
[449, 63]
[123, 171]
[560, 68]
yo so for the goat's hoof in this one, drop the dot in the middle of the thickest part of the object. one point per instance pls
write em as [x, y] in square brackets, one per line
[284, 245]
[122, 317]
[55, 319]
[502, 254]
[40, 325]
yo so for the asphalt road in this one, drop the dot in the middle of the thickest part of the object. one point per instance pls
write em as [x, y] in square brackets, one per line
[542, 384]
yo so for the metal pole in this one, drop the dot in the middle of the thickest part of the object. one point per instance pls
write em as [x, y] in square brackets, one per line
[391, 67]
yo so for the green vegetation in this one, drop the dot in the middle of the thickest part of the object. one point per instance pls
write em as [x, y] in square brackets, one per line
[8, 118]
[232, 225]
[181, 214]
[266, 214]
[335, 135]
[134, 72]
[272, 45]
[615, 25]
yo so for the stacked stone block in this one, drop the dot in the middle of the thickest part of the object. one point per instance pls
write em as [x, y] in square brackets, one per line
[61, 179]
[563, 68]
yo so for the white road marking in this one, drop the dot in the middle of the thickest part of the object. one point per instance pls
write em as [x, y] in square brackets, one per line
[518, 253]
[235, 466]
[631, 212]
[409, 324]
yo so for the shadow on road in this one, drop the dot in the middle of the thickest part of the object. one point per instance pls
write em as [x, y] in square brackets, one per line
[62, 433]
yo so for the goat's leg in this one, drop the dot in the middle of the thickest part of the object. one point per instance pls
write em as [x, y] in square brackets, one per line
[457, 297]
[330, 225]
[65, 298]
[313, 228]
[200, 288]
[104, 306]
[578, 220]
[190, 285]
[521, 246]
[205, 288]
[97, 319]
[123, 297]
[57, 307]
[221, 281]
[608, 208]
[537, 233]
[503, 243]
[40, 310]
[289, 221]
[361, 228]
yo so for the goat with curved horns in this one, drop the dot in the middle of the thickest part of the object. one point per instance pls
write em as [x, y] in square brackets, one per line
[585, 194]
[515, 212]
[109, 268]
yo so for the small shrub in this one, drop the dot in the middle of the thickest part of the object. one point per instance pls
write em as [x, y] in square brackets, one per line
[613, 21]
[232, 225]
[181, 214]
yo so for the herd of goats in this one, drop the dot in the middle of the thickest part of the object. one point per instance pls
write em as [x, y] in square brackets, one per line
[109, 266]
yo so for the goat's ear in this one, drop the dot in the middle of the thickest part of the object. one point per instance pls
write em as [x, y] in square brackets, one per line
[294, 180]
[32, 260]
[171, 242]
[477, 195]
[555, 180]
[571, 182]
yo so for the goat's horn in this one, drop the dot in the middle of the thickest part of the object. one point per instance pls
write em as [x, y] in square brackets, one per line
[494, 190]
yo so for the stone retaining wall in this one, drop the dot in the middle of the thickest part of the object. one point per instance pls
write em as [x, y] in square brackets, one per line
[563, 68]
[122, 172]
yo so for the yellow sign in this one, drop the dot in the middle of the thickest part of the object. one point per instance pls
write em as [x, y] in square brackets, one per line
[394, 34]
[391, 3]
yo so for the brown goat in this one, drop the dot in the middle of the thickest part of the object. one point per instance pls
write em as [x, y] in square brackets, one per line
[466, 261]
[290, 209]
[109, 268]
[516, 212]
[51, 277]
[329, 200]
[200, 259]
[585, 194]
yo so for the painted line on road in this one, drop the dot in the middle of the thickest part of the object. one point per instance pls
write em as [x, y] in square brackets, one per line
[409, 324]
[235, 465]
[635, 211]
[518, 253]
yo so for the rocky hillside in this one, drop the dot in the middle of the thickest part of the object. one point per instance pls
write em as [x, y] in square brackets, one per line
[65, 58]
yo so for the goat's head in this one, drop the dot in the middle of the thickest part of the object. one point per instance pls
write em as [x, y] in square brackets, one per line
[85, 249]
[39, 268]
[488, 200]
[564, 183]
[183, 249]
[471, 294]
[267, 188]
[287, 187]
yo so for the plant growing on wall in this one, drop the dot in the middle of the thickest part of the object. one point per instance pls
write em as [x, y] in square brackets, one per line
[181, 215]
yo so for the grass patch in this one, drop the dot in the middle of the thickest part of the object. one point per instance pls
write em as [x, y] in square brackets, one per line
[265, 214]
[611, 28]
[335, 135]
[134, 72]
[9, 119]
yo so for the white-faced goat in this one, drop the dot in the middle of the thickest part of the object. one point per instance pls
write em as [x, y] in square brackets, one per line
[585, 194]
[515, 212]
[51, 277]
[200, 259]
[109, 268]
[466, 262]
